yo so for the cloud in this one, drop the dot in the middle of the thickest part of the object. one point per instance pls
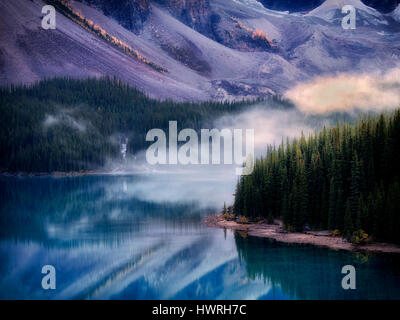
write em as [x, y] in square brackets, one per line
[214, 183]
[270, 125]
[347, 93]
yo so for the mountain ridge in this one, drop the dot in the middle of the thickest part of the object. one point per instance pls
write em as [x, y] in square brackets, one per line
[383, 6]
[246, 52]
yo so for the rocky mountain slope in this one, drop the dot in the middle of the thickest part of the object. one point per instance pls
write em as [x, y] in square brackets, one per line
[209, 49]
[130, 14]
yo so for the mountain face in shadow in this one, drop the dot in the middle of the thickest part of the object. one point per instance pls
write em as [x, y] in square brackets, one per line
[384, 6]
[132, 14]
[291, 6]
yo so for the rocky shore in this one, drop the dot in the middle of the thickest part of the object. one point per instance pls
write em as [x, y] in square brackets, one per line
[318, 238]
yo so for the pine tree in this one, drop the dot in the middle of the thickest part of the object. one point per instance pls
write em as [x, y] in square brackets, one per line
[348, 221]
[332, 205]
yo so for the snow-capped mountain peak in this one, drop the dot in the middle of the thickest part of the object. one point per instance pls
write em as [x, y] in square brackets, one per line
[329, 7]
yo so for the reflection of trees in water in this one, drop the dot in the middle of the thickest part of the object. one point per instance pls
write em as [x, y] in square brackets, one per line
[308, 272]
[28, 206]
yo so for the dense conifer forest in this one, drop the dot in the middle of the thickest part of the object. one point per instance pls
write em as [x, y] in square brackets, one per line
[345, 179]
[73, 125]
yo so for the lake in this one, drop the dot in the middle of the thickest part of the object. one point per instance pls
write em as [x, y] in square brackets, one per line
[132, 237]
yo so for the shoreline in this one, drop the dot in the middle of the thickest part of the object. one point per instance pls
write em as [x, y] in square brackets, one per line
[60, 174]
[52, 174]
[317, 238]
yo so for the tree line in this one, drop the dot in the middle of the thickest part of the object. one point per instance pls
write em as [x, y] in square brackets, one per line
[74, 125]
[345, 179]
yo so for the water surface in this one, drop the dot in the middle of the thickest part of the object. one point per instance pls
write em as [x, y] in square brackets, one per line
[128, 237]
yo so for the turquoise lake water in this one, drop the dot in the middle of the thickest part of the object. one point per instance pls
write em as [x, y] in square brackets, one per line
[126, 237]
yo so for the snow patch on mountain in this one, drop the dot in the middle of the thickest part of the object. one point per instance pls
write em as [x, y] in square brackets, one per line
[251, 3]
[255, 6]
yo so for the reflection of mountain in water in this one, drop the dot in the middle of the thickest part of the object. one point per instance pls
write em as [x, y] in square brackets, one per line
[105, 241]
[65, 210]
[108, 240]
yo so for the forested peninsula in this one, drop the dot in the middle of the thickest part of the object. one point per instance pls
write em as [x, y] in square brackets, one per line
[344, 179]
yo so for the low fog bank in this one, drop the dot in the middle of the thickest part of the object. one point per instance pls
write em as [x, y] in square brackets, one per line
[213, 184]
[348, 92]
[321, 102]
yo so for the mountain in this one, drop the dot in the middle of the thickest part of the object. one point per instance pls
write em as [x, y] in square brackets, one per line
[396, 14]
[291, 6]
[331, 10]
[192, 50]
[383, 6]
[130, 14]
